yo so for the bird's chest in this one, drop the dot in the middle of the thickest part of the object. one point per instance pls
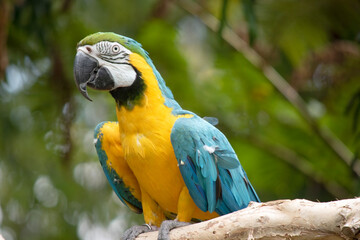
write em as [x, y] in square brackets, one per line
[147, 148]
[152, 160]
[145, 136]
[148, 154]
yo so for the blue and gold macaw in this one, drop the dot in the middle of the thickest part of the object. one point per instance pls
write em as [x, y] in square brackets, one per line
[160, 159]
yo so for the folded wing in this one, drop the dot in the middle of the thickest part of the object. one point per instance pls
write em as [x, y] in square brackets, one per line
[118, 173]
[210, 167]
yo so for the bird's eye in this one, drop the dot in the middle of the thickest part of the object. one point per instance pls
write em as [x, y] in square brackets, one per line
[116, 48]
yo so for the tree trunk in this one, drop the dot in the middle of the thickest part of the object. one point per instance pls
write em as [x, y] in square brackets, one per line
[5, 12]
[282, 219]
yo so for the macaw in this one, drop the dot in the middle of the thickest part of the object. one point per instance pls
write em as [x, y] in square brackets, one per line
[161, 160]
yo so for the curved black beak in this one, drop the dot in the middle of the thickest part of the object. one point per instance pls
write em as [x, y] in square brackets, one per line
[88, 73]
[85, 69]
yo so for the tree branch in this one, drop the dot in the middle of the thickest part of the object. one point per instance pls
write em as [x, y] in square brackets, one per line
[282, 219]
[289, 93]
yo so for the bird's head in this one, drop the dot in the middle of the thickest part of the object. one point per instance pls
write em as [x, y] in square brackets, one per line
[102, 62]
[108, 61]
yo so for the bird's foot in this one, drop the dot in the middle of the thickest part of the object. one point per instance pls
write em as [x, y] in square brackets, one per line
[166, 227]
[135, 231]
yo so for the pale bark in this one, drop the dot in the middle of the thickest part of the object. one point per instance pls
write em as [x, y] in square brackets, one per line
[282, 219]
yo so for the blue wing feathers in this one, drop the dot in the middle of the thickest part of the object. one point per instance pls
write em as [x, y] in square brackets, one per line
[250, 188]
[210, 167]
[190, 176]
[227, 162]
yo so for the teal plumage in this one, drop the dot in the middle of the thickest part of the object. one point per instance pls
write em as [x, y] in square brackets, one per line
[210, 167]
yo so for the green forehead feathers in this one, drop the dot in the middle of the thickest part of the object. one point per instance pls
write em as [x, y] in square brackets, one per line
[129, 43]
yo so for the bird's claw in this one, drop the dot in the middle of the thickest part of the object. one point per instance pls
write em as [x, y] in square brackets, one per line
[135, 231]
[167, 226]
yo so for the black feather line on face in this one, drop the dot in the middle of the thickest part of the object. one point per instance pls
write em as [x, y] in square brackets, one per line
[131, 96]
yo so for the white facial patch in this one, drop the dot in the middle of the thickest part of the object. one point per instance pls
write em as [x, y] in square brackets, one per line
[115, 58]
[123, 74]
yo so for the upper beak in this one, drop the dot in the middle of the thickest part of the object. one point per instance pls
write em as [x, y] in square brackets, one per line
[84, 66]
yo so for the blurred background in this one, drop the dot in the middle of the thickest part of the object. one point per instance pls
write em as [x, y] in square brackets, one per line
[282, 77]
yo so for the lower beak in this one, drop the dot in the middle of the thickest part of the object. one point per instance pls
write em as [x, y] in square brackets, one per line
[85, 68]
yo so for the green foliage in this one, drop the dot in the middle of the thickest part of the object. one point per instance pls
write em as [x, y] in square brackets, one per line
[249, 13]
[51, 183]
